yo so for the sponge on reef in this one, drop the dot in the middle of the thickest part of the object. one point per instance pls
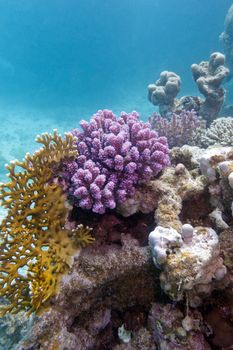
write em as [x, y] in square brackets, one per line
[36, 247]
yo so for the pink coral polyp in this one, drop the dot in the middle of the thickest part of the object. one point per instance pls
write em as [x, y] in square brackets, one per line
[115, 155]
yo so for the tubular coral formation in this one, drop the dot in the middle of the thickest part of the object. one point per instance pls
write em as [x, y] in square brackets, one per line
[209, 76]
[164, 91]
[115, 155]
[36, 247]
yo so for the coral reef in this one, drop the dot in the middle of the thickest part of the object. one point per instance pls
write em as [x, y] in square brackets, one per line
[144, 200]
[218, 313]
[217, 165]
[172, 329]
[181, 129]
[166, 196]
[220, 132]
[106, 287]
[227, 251]
[142, 340]
[209, 76]
[104, 302]
[115, 155]
[155, 225]
[190, 261]
[36, 248]
[164, 91]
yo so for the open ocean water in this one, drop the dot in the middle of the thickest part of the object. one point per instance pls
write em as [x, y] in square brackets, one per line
[62, 60]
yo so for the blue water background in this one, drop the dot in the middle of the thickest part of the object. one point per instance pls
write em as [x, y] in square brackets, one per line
[61, 60]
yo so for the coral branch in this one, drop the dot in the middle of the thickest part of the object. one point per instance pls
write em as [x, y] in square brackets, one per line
[115, 155]
[36, 247]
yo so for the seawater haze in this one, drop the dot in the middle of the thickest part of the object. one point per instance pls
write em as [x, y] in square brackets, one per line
[60, 61]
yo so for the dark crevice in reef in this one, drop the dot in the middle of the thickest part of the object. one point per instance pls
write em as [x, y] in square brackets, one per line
[196, 209]
[133, 319]
[108, 229]
[217, 314]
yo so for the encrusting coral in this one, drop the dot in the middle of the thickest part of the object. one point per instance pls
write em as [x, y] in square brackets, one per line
[115, 155]
[190, 261]
[166, 195]
[36, 247]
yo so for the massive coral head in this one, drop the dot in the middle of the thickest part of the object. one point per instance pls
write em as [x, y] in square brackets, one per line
[115, 155]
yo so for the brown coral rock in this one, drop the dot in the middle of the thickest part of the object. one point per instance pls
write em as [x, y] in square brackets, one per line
[115, 280]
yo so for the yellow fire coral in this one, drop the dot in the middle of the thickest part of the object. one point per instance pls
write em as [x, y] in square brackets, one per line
[36, 247]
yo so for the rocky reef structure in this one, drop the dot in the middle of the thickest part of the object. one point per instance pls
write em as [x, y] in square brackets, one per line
[119, 292]
[111, 297]
[102, 292]
[166, 195]
[173, 329]
[190, 261]
[209, 77]
[164, 91]
[115, 155]
[215, 165]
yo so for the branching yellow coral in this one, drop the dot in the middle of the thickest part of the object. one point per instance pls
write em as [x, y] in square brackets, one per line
[36, 247]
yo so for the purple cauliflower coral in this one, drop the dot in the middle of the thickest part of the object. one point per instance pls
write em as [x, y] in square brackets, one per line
[180, 130]
[114, 155]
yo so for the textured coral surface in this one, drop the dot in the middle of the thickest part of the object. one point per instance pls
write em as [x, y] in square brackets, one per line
[106, 288]
[180, 130]
[36, 247]
[115, 155]
[111, 296]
